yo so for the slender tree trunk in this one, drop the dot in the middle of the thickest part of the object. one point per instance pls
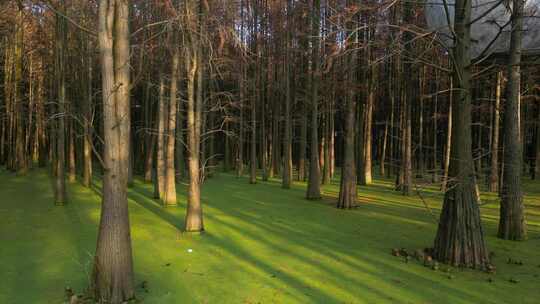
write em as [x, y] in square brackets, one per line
[419, 149]
[410, 74]
[368, 135]
[347, 192]
[194, 215]
[512, 225]
[448, 148]
[435, 152]
[276, 142]
[406, 187]
[72, 165]
[7, 64]
[384, 147]
[60, 181]
[253, 142]
[240, 141]
[254, 88]
[169, 197]
[31, 108]
[40, 142]
[149, 137]
[322, 144]
[314, 182]
[332, 140]
[264, 143]
[287, 139]
[391, 128]
[302, 146]
[180, 145]
[87, 121]
[494, 171]
[327, 171]
[159, 183]
[19, 153]
[360, 142]
[537, 159]
[112, 279]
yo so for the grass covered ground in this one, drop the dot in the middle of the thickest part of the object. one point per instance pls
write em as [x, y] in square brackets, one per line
[263, 245]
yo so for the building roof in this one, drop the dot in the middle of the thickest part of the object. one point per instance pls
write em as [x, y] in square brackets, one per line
[491, 23]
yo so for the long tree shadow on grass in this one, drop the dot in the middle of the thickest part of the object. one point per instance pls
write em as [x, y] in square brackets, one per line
[153, 206]
[340, 279]
[45, 249]
[307, 233]
[327, 247]
[143, 197]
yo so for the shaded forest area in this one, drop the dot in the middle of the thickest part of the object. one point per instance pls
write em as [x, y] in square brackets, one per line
[168, 95]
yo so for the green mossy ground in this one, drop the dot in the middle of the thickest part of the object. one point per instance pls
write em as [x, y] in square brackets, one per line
[263, 245]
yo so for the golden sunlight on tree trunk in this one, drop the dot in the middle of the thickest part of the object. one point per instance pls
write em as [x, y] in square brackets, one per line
[112, 277]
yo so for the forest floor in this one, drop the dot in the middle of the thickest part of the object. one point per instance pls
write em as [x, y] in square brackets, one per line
[263, 244]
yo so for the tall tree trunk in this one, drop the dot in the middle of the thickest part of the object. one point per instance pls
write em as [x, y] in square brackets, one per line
[302, 146]
[537, 152]
[72, 165]
[494, 171]
[287, 139]
[448, 148]
[384, 147]
[347, 192]
[360, 142]
[460, 238]
[180, 165]
[264, 132]
[276, 142]
[287, 142]
[332, 139]
[264, 143]
[149, 137]
[419, 148]
[409, 73]
[131, 157]
[19, 155]
[240, 141]
[314, 182]
[87, 121]
[406, 187]
[31, 106]
[253, 142]
[322, 144]
[194, 215]
[435, 152]
[60, 181]
[512, 225]
[327, 171]
[159, 182]
[254, 96]
[169, 197]
[391, 130]
[368, 134]
[112, 279]
[40, 138]
[7, 64]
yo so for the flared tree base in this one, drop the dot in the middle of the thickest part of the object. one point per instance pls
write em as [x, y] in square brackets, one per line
[347, 196]
[460, 239]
